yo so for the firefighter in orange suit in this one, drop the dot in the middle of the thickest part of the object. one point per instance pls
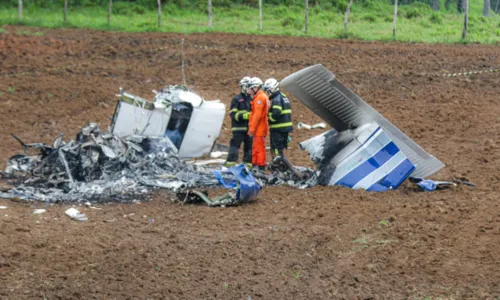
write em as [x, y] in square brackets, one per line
[258, 122]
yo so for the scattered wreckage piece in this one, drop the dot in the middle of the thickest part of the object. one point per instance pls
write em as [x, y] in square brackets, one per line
[192, 123]
[102, 167]
[239, 179]
[194, 196]
[283, 172]
[242, 180]
[302, 125]
[364, 150]
[430, 185]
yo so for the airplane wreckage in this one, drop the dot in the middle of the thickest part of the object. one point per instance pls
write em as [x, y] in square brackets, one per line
[148, 145]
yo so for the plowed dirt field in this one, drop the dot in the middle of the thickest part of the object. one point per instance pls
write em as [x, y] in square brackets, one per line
[320, 243]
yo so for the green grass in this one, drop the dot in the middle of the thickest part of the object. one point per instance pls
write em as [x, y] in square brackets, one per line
[369, 21]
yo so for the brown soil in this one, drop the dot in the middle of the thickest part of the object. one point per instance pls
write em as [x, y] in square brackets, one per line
[321, 243]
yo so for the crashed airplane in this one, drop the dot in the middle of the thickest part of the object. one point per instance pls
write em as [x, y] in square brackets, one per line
[147, 143]
[364, 150]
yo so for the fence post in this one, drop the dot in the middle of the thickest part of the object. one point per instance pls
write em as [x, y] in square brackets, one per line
[20, 9]
[395, 18]
[346, 18]
[307, 15]
[159, 13]
[110, 9]
[260, 15]
[65, 11]
[182, 63]
[209, 13]
[466, 19]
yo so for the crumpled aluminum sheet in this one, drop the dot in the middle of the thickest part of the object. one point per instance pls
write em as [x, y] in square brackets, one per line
[101, 167]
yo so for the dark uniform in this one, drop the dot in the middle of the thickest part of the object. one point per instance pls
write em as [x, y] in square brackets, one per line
[280, 122]
[240, 106]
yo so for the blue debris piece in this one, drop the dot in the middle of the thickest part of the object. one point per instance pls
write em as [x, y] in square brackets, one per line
[246, 187]
[363, 158]
[431, 185]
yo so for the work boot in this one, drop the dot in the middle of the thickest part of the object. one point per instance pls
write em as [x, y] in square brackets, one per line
[229, 164]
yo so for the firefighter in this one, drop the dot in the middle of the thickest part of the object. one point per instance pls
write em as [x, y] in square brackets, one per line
[258, 123]
[280, 118]
[240, 113]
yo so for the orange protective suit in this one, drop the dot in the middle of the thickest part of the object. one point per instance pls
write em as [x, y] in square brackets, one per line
[259, 127]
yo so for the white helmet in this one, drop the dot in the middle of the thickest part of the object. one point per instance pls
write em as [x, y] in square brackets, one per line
[271, 85]
[254, 82]
[244, 82]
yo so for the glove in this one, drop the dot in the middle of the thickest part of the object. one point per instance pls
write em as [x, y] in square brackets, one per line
[246, 116]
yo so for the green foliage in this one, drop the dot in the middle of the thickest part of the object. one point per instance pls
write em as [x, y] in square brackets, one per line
[369, 18]
[292, 21]
[435, 18]
[341, 34]
[341, 5]
[127, 9]
[412, 13]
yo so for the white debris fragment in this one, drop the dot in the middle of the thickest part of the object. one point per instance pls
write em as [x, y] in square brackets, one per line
[218, 161]
[301, 125]
[39, 211]
[217, 154]
[3, 207]
[75, 214]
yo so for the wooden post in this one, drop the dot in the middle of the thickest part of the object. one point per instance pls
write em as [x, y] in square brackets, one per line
[209, 13]
[65, 11]
[395, 18]
[20, 9]
[159, 13]
[307, 16]
[260, 15]
[346, 18]
[182, 63]
[466, 19]
[110, 9]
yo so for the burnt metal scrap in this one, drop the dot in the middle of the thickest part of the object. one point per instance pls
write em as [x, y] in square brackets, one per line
[100, 166]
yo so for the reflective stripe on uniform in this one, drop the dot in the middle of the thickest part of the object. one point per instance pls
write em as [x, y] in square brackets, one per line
[239, 113]
[239, 128]
[281, 125]
[277, 107]
[233, 110]
[271, 117]
[286, 111]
